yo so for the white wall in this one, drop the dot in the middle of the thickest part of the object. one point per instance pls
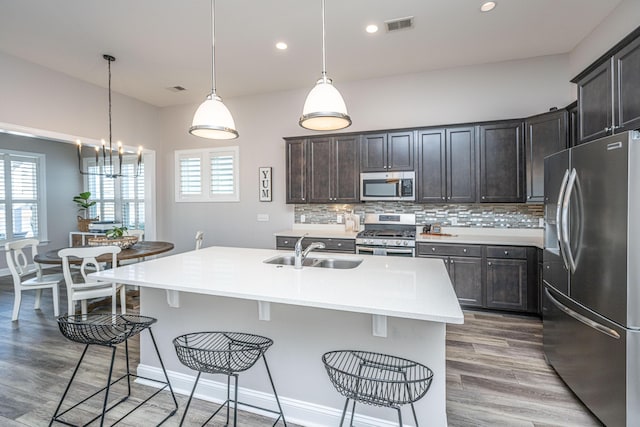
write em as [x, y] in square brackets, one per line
[621, 21]
[484, 92]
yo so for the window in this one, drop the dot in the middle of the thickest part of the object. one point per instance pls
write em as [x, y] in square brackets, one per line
[118, 199]
[22, 195]
[209, 175]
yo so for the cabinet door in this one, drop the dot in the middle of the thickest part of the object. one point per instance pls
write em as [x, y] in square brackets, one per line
[461, 165]
[572, 125]
[431, 164]
[507, 284]
[400, 151]
[627, 87]
[373, 153]
[296, 171]
[544, 135]
[346, 170]
[466, 276]
[320, 170]
[595, 104]
[501, 163]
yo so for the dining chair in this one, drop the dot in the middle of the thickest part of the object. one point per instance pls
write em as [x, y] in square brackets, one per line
[22, 265]
[80, 287]
[199, 239]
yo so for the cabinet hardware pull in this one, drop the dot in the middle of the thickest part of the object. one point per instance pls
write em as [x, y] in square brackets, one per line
[339, 244]
[488, 263]
[433, 249]
[483, 197]
[506, 252]
[608, 129]
[464, 250]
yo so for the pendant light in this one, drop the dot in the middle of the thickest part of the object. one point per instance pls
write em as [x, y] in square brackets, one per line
[324, 108]
[212, 118]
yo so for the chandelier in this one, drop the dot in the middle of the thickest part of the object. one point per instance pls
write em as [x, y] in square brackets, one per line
[105, 163]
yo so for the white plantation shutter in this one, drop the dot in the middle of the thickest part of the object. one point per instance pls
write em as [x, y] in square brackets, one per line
[209, 175]
[21, 197]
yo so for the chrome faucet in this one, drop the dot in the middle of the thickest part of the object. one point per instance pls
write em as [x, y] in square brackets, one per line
[300, 255]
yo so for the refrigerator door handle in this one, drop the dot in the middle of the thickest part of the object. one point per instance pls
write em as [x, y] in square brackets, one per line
[563, 189]
[580, 318]
[565, 219]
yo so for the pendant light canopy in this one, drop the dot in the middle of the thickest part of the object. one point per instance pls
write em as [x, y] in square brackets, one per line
[212, 118]
[324, 108]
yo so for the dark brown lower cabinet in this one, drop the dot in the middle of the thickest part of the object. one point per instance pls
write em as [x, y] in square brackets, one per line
[507, 284]
[492, 277]
[347, 246]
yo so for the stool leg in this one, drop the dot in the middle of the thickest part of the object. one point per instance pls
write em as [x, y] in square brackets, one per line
[164, 371]
[400, 416]
[190, 397]
[106, 394]
[414, 414]
[55, 415]
[228, 396]
[353, 412]
[344, 411]
[126, 352]
[266, 365]
[235, 402]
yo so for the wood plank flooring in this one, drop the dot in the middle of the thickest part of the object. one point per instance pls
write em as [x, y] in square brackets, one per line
[496, 373]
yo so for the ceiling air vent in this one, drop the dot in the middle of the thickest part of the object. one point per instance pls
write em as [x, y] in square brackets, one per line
[176, 88]
[399, 24]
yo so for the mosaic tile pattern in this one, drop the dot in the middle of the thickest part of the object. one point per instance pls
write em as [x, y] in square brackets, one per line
[458, 215]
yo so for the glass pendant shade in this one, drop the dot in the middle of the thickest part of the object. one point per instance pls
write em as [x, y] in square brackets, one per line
[324, 108]
[213, 120]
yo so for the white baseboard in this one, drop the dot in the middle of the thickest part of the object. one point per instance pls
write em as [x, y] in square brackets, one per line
[295, 411]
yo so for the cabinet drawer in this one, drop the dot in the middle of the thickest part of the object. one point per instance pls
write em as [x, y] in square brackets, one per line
[285, 242]
[428, 249]
[519, 252]
[343, 245]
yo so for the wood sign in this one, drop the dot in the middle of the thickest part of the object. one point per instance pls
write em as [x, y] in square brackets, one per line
[265, 184]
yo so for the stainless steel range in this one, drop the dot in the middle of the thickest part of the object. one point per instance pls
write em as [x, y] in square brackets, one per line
[387, 234]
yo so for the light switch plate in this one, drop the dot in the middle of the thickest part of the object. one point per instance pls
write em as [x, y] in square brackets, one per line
[263, 217]
[303, 218]
[339, 219]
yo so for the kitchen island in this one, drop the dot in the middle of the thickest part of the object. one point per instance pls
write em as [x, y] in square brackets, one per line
[393, 305]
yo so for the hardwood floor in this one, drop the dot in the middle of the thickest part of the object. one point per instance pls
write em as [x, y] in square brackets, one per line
[496, 373]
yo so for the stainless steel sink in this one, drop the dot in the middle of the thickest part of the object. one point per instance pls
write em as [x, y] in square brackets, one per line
[336, 263]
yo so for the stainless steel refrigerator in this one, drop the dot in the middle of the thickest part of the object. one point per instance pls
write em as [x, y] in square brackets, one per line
[591, 308]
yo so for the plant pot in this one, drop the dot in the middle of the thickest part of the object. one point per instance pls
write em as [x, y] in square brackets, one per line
[83, 223]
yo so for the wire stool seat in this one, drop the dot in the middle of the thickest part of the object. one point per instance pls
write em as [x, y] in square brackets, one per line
[377, 379]
[226, 353]
[109, 330]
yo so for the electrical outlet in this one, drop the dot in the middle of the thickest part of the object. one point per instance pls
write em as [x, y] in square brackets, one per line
[454, 221]
[303, 218]
[541, 222]
[339, 219]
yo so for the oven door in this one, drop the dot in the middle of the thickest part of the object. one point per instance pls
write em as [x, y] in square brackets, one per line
[388, 251]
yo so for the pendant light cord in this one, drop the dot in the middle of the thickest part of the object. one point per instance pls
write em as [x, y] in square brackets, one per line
[324, 54]
[213, 48]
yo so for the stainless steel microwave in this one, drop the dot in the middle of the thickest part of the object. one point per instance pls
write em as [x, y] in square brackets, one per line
[387, 186]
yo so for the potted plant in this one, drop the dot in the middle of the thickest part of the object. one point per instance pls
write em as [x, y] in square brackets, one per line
[116, 232]
[84, 202]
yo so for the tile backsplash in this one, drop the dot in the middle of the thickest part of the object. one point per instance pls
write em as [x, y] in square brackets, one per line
[458, 215]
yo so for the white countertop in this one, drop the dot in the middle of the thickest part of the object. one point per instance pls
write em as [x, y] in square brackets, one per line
[412, 288]
[487, 236]
[478, 236]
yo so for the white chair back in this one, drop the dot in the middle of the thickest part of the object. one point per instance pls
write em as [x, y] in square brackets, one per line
[199, 239]
[20, 256]
[89, 288]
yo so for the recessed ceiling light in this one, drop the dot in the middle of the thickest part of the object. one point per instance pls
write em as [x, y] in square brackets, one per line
[487, 6]
[373, 28]
[281, 45]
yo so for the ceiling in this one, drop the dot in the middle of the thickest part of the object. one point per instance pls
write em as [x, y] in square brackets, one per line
[164, 43]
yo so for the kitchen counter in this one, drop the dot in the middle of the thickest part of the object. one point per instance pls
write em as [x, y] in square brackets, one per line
[328, 231]
[487, 236]
[391, 305]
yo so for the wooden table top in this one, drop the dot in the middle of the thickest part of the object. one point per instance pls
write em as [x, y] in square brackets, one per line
[141, 249]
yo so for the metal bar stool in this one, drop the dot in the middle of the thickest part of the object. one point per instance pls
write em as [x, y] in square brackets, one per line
[108, 330]
[227, 353]
[377, 379]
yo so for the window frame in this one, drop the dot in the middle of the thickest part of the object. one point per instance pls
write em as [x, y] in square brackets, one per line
[205, 155]
[41, 199]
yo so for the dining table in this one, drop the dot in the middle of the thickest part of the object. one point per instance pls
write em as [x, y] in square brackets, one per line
[141, 249]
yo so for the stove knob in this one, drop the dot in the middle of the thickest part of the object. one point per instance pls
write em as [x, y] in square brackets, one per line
[406, 243]
[398, 242]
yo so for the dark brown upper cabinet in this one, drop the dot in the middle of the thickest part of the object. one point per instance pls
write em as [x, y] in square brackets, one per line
[501, 162]
[334, 169]
[545, 134]
[383, 152]
[446, 165]
[296, 171]
[609, 92]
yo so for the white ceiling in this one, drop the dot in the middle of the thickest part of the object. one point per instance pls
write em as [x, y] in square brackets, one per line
[164, 43]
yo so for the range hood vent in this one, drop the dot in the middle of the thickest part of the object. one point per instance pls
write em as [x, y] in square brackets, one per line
[399, 24]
